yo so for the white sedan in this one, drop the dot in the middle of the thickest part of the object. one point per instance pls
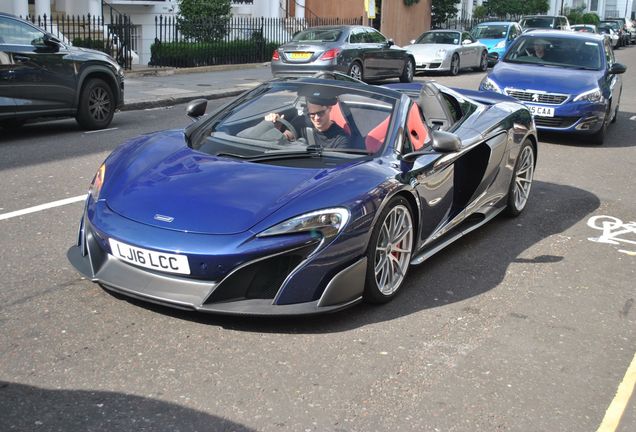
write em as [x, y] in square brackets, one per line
[448, 51]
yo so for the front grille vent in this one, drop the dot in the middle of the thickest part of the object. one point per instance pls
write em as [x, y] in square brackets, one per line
[545, 98]
[555, 122]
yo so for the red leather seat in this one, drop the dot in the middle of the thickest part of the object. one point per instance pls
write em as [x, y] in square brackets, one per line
[338, 118]
[375, 137]
[418, 132]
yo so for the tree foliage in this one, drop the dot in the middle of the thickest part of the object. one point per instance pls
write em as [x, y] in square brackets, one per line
[204, 20]
[503, 8]
[442, 11]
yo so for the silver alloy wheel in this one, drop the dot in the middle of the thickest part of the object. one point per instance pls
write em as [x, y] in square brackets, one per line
[99, 103]
[483, 64]
[356, 71]
[523, 177]
[454, 67]
[409, 70]
[393, 250]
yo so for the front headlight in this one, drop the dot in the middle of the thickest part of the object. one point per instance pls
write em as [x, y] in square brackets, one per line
[592, 96]
[325, 223]
[489, 85]
[501, 44]
[98, 182]
[440, 54]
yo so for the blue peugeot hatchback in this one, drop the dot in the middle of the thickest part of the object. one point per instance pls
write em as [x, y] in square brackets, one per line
[497, 36]
[569, 80]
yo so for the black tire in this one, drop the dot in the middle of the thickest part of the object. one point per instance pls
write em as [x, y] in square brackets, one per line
[454, 66]
[483, 62]
[96, 105]
[389, 251]
[356, 71]
[616, 110]
[598, 138]
[408, 72]
[521, 182]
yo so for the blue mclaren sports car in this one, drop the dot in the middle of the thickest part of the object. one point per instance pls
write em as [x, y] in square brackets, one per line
[249, 210]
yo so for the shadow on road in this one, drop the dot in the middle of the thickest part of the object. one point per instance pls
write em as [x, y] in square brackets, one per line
[471, 266]
[28, 408]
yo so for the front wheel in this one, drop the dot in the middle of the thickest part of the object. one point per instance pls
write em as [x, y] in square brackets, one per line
[408, 72]
[96, 105]
[483, 62]
[389, 252]
[454, 66]
[522, 177]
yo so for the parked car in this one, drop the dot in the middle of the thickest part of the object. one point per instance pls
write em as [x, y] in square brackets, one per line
[221, 217]
[448, 51]
[610, 34]
[359, 51]
[497, 36]
[627, 26]
[623, 37]
[554, 22]
[41, 76]
[579, 92]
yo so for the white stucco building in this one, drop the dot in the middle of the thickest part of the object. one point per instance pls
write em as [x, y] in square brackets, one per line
[142, 13]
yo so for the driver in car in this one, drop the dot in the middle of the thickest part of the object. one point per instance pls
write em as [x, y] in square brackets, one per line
[326, 132]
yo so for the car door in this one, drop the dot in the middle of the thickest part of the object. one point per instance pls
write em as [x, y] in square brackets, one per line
[357, 48]
[391, 61]
[613, 82]
[7, 104]
[470, 51]
[41, 80]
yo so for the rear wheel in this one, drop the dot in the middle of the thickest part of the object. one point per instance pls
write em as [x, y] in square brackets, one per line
[355, 71]
[389, 252]
[454, 66]
[96, 105]
[408, 72]
[522, 177]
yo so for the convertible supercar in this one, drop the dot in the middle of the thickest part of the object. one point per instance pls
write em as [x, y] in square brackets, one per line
[231, 215]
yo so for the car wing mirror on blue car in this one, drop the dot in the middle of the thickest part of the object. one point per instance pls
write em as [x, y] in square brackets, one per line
[196, 108]
[617, 68]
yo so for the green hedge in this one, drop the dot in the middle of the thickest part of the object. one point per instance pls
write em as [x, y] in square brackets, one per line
[89, 43]
[186, 54]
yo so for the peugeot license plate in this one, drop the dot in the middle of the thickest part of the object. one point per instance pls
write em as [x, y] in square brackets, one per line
[541, 111]
[166, 262]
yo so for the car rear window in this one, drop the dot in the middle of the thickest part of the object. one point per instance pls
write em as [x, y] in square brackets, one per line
[321, 35]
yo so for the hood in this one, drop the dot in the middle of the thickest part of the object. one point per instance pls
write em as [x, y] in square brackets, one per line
[549, 79]
[181, 189]
[490, 43]
[428, 50]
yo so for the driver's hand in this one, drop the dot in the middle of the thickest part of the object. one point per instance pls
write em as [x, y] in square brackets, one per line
[289, 135]
[273, 117]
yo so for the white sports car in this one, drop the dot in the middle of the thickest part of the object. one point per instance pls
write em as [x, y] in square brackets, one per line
[448, 51]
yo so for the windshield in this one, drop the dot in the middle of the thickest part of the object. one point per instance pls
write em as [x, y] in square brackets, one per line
[449, 38]
[318, 35]
[555, 51]
[537, 22]
[300, 118]
[489, 31]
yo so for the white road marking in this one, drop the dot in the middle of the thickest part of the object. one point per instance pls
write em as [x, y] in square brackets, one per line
[41, 207]
[101, 130]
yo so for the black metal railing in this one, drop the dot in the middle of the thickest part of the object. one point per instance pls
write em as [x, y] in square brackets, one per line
[226, 41]
[113, 37]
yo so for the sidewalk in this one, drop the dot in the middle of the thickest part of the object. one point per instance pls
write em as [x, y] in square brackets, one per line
[149, 87]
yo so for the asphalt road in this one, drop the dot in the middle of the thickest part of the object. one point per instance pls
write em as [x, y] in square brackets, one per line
[524, 325]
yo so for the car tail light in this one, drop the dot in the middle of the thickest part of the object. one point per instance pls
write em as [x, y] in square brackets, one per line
[275, 56]
[331, 54]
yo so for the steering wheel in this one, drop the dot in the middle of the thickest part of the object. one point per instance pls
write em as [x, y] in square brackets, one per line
[288, 126]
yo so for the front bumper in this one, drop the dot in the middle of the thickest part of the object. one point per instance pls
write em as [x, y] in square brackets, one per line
[573, 117]
[269, 284]
[427, 64]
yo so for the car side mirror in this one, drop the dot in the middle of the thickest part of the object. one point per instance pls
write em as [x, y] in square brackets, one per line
[390, 42]
[466, 42]
[445, 142]
[412, 41]
[196, 108]
[617, 68]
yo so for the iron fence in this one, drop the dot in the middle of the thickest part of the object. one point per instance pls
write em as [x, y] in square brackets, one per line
[226, 41]
[114, 37]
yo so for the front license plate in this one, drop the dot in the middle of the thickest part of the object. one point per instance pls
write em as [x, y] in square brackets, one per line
[541, 111]
[299, 55]
[161, 261]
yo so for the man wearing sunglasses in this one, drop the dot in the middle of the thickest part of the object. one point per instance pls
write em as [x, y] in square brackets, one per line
[326, 133]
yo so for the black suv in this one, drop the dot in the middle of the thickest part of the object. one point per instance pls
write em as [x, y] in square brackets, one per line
[40, 76]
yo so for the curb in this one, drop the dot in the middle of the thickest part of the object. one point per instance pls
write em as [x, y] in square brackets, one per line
[165, 71]
[158, 103]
